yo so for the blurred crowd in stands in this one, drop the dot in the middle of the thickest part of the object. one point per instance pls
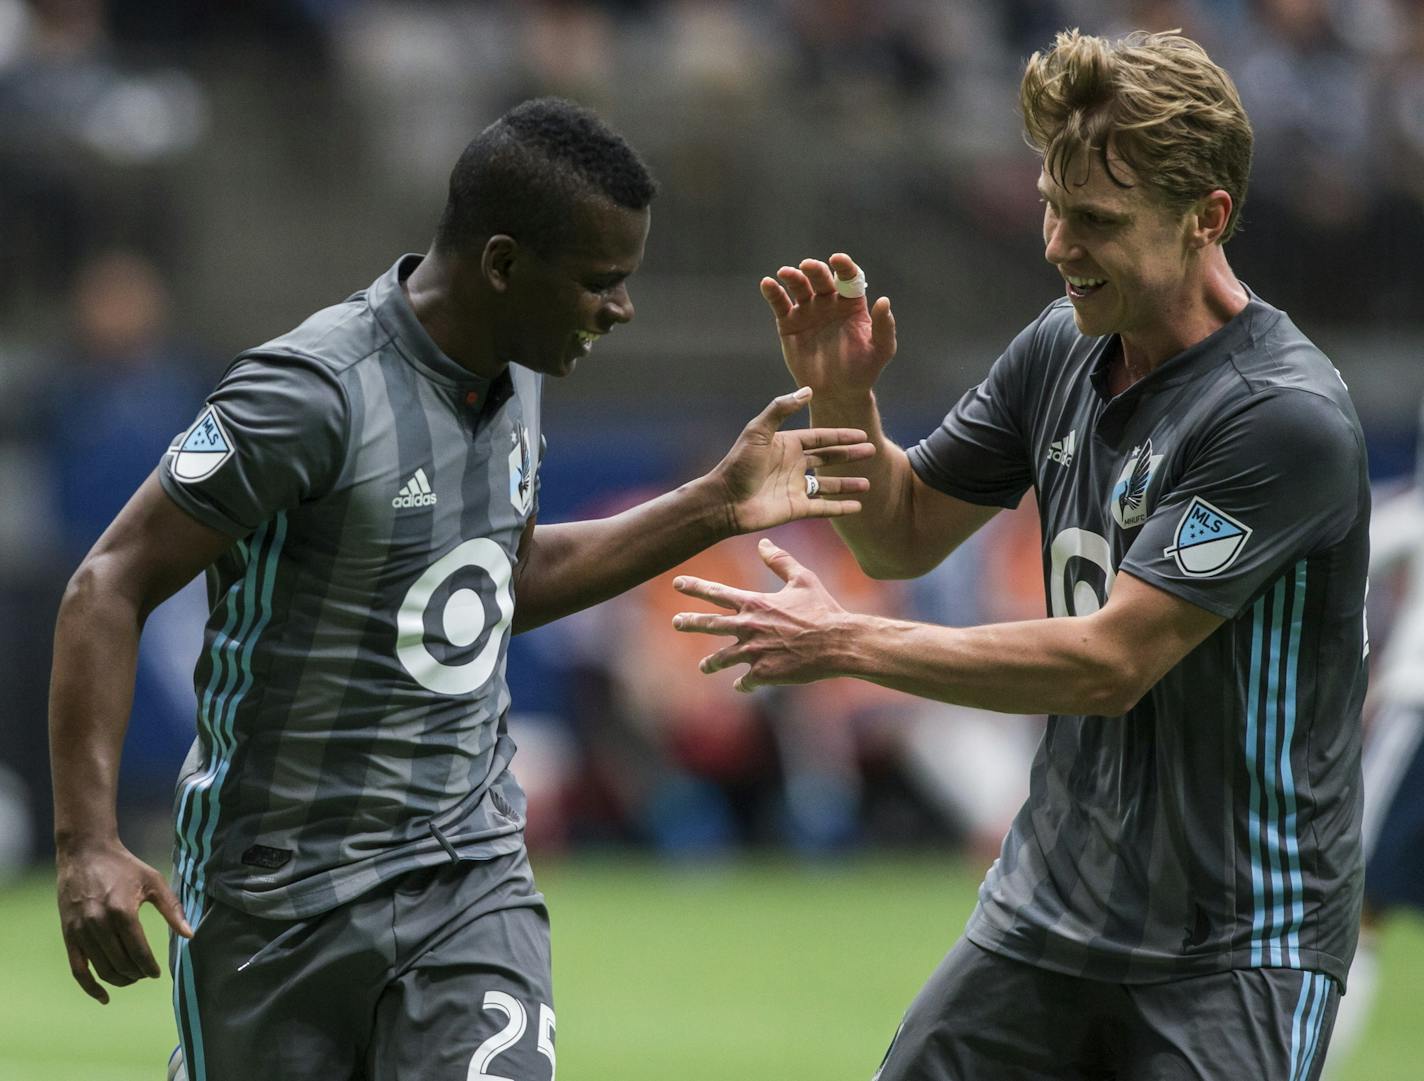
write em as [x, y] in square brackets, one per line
[182, 178]
[104, 104]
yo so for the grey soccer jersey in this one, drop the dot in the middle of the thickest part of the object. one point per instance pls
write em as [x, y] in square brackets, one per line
[1216, 825]
[351, 688]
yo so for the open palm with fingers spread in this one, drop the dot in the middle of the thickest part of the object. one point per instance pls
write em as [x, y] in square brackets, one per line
[833, 343]
[764, 473]
[785, 637]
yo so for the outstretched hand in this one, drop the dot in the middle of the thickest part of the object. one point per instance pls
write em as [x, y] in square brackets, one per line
[833, 343]
[764, 474]
[100, 892]
[783, 637]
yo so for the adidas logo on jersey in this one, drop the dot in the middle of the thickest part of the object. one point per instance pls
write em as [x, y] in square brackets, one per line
[1061, 450]
[415, 493]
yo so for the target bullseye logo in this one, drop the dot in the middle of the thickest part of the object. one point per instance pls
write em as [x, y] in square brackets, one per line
[1081, 574]
[446, 608]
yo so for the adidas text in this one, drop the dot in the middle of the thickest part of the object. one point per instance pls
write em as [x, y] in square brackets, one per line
[415, 492]
[1061, 450]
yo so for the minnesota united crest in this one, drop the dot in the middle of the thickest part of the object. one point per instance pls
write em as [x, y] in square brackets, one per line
[521, 476]
[1128, 501]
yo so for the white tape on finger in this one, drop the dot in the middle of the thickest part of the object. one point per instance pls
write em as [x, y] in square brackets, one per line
[813, 486]
[853, 288]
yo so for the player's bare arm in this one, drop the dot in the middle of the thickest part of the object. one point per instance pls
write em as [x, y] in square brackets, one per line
[1099, 665]
[838, 345]
[149, 552]
[759, 484]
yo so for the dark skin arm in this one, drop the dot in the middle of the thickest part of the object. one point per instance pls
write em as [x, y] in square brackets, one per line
[759, 484]
[153, 548]
[150, 551]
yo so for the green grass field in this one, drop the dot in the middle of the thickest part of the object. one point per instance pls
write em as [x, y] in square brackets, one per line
[755, 969]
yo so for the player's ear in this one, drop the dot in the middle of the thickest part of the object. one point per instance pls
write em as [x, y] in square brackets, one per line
[1208, 219]
[497, 260]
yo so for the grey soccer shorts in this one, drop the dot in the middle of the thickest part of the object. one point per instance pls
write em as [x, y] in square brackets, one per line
[982, 1017]
[439, 975]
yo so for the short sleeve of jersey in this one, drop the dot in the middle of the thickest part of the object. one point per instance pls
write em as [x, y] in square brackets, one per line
[270, 436]
[979, 453]
[1278, 480]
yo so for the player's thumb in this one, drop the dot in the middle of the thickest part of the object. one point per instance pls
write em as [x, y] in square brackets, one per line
[882, 330]
[779, 560]
[783, 406]
[161, 896]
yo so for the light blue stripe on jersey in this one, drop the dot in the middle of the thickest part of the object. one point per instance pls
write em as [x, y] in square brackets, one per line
[1275, 931]
[1292, 837]
[185, 798]
[219, 684]
[244, 658]
[220, 681]
[1271, 781]
[1253, 713]
[228, 683]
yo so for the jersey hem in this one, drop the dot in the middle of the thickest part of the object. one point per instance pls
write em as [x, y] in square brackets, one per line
[1181, 590]
[324, 894]
[204, 515]
[1153, 972]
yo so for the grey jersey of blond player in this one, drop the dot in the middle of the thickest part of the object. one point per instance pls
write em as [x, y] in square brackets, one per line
[1216, 824]
[351, 691]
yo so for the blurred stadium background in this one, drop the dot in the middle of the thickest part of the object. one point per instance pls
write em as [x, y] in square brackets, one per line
[180, 179]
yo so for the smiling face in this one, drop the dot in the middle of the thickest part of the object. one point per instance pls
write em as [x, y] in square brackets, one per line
[1125, 256]
[557, 305]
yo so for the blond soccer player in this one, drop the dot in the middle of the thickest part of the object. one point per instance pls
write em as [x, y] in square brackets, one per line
[1179, 896]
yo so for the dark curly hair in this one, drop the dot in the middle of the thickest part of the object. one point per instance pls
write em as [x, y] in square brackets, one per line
[524, 174]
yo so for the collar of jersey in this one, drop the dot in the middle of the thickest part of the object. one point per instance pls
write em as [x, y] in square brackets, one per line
[393, 311]
[1215, 349]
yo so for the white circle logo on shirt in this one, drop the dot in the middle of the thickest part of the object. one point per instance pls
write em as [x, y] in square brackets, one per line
[464, 617]
[1071, 592]
[462, 621]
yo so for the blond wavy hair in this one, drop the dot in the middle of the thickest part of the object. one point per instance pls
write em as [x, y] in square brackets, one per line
[1158, 100]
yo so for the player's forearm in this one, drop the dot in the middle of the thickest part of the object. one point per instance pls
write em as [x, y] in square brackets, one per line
[1038, 666]
[574, 565]
[91, 693]
[881, 536]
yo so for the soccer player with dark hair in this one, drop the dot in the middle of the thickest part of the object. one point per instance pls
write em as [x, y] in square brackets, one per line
[1179, 896]
[353, 897]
